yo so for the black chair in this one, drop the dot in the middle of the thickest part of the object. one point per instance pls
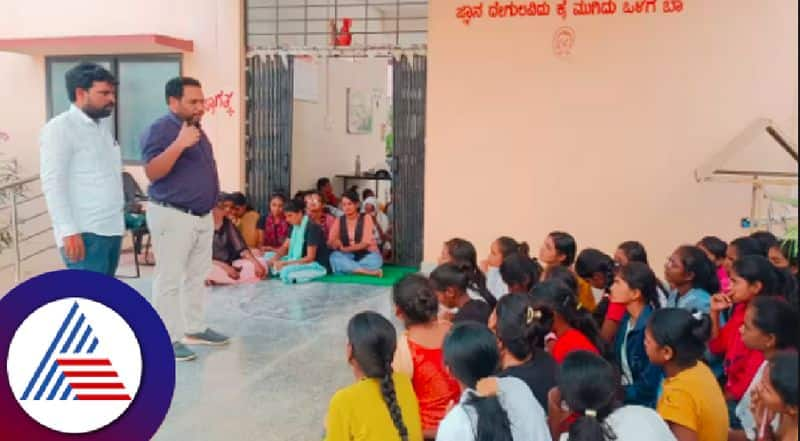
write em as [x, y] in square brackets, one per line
[134, 196]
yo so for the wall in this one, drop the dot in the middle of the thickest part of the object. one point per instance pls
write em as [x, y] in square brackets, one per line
[215, 26]
[321, 144]
[601, 143]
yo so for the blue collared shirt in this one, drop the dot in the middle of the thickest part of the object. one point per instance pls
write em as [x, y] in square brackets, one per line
[695, 299]
[193, 182]
[644, 377]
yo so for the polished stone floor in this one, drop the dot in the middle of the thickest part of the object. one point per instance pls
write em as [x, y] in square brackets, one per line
[285, 360]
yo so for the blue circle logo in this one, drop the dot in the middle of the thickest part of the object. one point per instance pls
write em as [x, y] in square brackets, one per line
[86, 357]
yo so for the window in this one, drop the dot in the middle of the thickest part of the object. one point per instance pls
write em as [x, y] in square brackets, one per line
[308, 23]
[140, 94]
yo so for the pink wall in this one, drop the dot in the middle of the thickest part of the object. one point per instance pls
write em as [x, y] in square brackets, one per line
[602, 143]
[215, 26]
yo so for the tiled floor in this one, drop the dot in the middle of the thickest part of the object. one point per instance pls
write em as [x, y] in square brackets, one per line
[286, 358]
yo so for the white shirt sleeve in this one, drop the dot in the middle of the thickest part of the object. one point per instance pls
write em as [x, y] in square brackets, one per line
[495, 284]
[56, 156]
[455, 426]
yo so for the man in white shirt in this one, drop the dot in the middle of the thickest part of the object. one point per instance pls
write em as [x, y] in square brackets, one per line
[81, 172]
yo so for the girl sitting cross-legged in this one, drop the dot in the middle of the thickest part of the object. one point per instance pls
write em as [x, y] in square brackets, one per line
[352, 240]
[304, 255]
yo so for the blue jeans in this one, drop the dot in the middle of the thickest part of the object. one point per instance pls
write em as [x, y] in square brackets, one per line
[345, 263]
[102, 254]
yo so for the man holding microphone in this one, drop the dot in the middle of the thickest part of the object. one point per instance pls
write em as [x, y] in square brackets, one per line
[184, 188]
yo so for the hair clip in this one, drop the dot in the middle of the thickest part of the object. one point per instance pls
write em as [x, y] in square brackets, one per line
[591, 413]
[532, 314]
[698, 315]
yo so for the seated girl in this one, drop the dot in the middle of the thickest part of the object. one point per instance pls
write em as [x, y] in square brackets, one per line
[463, 253]
[633, 251]
[244, 217]
[380, 220]
[766, 240]
[556, 310]
[740, 247]
[520, 339]
[770, 326]
[304, 255]
[596, 268]
[450, 282]
[499, 250]
[276, 229]
[489, 409]
[325, 189]
[419, 350]
[520, 273]
[559, 249]
[352, 241]
[751, 277]
[588, 387]
[716, 249]
[693, 279]
[691, 402]
[233, 262]
[635, 287]
[784, 254]
[776, 395]
[381, 404]
[317, 211]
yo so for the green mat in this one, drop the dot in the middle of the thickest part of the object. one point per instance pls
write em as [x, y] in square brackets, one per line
[391, 275]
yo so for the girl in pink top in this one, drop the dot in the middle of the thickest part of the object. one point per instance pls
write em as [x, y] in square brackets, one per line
[716, 249]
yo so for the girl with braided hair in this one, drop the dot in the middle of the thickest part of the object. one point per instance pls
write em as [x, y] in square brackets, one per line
[382, 404]
[491, 408]
[588, 386]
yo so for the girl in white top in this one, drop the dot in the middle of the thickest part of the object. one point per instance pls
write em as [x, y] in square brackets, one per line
[589, 385]
[499, 251]
[506, 410]
[770, 326]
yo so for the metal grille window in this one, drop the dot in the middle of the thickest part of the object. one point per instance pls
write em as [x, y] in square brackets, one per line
[309, 23]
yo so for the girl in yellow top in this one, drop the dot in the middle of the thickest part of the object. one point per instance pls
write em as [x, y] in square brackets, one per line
[692, 402]
[244, 217]
[381, 406]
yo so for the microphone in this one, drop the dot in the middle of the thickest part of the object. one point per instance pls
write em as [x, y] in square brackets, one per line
[192, 122]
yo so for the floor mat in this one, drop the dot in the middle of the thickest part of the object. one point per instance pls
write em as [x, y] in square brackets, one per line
[391, 275]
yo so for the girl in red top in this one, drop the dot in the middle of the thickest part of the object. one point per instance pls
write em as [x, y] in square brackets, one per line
[751, 276]
[276, 229]
[556, 309]
[419, 350]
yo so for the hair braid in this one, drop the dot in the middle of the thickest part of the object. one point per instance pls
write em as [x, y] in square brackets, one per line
[390, 397]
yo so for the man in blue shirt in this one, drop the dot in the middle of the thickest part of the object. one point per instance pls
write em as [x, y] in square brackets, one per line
[184, 187]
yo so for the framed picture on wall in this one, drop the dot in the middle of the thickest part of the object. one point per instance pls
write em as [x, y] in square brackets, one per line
[359, 112]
